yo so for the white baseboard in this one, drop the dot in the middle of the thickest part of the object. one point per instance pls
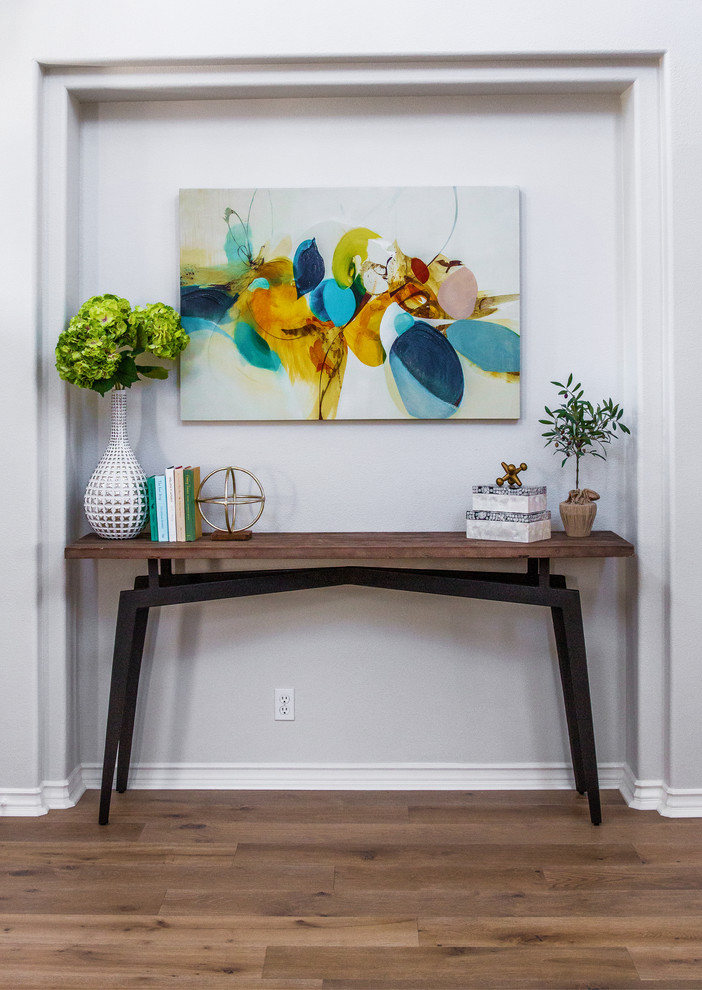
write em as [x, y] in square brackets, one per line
[34, 801]
[358, 776]
[644, 795]
[656, 795]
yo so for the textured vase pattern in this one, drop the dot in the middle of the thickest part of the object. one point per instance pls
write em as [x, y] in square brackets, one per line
[116, 497]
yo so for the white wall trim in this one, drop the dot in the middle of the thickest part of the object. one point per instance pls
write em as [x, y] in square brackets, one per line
[26, 802]
[656, 795]
[641, 795]
[354, 776]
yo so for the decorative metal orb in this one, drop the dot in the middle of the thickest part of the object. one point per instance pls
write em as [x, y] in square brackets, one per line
[232, 499]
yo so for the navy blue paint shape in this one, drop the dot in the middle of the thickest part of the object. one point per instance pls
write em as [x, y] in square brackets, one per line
[427, 372]
[308, 267]
[207, 303]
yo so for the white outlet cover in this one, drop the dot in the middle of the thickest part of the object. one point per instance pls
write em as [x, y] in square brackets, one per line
[284, 705]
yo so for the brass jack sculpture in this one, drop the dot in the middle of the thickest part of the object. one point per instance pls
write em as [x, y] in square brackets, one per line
[511, 474]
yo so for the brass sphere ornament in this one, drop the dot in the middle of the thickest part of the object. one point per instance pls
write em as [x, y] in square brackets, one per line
[231, 500]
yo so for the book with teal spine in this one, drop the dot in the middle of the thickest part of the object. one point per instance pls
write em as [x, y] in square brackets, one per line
[153, 513]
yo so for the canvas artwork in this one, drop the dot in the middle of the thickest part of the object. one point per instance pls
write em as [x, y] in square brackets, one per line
[350, 304]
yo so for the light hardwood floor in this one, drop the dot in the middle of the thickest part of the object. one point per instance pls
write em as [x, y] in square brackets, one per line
[365, 890]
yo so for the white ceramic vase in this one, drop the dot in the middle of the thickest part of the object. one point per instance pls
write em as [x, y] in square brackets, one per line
[116, 498]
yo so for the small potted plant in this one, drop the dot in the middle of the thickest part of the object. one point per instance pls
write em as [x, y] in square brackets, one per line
[98, 351]
[577, 428]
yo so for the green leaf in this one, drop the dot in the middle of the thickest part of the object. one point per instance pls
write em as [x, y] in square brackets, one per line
[103, 385]
[126, 373]
[152, 371]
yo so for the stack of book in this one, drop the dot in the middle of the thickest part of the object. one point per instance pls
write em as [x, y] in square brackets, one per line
[518, 515]
[173, 514]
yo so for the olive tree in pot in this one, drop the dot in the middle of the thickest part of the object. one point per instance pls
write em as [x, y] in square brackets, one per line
[577, 428]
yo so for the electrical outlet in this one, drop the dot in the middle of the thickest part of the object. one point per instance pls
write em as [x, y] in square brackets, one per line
[284, 704]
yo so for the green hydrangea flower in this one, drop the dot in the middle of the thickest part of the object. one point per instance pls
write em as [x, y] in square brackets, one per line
[98, 348]
[159, 330]
[110, 314]
[84, 357]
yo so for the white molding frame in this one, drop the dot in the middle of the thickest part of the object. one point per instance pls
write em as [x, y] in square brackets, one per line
[637, 77]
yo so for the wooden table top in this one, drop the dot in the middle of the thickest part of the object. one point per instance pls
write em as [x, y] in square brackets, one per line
[349, 546]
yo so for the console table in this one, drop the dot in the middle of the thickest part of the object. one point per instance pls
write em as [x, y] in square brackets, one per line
[431, 570]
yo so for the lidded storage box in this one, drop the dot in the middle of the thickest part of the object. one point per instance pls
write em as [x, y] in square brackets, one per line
[517, 515]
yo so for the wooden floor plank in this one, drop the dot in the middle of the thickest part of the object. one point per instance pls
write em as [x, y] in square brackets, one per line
[514, 904]
[193, 931]
[596, 931]
[578, 833]
[30, 855]
[295, 807]
[206, 963]
[286, 876]
[69, 829]
[370, 877]
[674, 962]
[515, 855]
[685, 854]
[429, 968]
[104, 898]
[106, 978]
[643, 878]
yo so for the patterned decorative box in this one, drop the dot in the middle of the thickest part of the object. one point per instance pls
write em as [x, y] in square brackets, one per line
[514, 527]
[493, 498]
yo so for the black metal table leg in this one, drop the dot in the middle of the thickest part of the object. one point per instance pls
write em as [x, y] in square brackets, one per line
[124, 640]
[569, 699]
[575, 664]
[130, 697]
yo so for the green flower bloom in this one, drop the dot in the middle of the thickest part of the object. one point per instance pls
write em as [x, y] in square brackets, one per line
[82, 357]
[110, 314]
[99, 345]
[159, 330]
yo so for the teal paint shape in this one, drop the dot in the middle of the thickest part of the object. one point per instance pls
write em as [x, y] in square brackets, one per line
[254, 349]
[330, 302]
[196, 324]
[403, 321]
[491, 346]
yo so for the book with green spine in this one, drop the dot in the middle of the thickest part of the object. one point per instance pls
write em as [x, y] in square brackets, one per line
[191, 484]
[189, 504]
[153, 511]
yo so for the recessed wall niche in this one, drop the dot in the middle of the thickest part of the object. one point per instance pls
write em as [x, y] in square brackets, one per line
[569, 146]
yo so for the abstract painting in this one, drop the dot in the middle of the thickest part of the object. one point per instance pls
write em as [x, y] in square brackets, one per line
[350, 304]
